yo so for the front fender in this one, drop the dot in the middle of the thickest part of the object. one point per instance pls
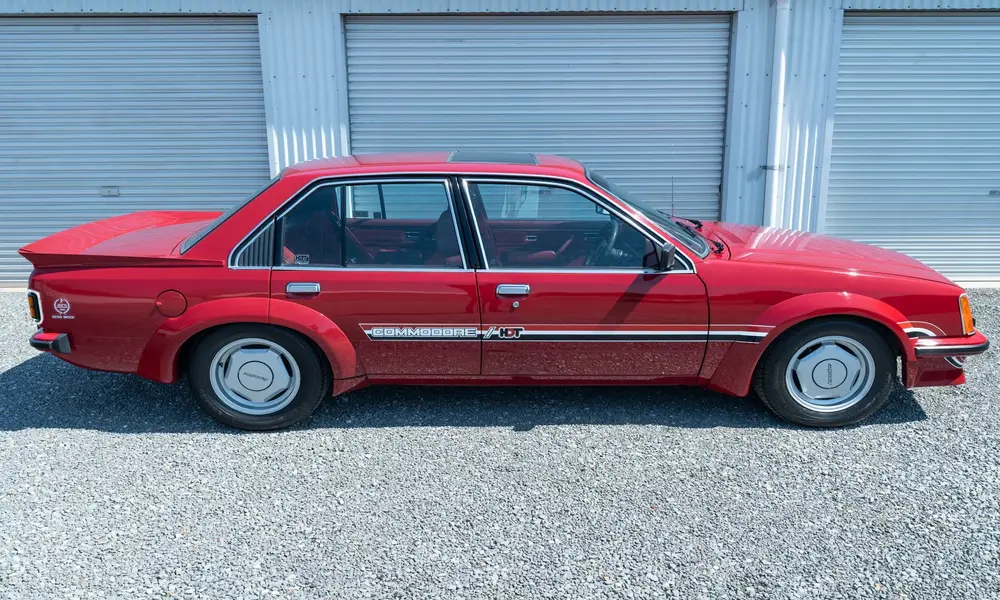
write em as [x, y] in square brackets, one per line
[735, 373]
[159, 359]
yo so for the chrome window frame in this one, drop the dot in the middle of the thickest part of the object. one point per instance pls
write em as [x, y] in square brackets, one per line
[277, 214]
[586, 193]
[573, 184]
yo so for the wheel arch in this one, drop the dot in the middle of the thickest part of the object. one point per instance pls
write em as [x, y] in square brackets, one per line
[735, 373]
[167, 350]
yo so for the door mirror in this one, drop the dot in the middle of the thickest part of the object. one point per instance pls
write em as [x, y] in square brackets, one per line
[666, 256]
[601, 210]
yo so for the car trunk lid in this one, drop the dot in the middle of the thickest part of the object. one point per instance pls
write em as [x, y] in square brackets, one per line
[142, 238]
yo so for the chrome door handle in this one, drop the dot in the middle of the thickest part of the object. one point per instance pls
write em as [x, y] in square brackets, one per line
[302, 289]
[531, 238]
[513, 289]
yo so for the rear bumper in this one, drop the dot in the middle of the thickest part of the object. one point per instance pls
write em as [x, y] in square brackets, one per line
[50, 342]
[977, 343]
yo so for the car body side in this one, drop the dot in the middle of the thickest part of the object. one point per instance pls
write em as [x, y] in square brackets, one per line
[116, 325]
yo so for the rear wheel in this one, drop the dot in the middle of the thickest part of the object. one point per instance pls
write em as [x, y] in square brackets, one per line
[827, 374]
[257, 377]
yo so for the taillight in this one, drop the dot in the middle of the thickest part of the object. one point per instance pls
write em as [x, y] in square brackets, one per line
[34, 306]
[968, 323]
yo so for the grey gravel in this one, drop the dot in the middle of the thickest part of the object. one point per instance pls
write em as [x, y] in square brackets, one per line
[114, 487]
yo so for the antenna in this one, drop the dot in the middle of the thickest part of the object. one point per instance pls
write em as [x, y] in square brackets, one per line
[671, 196]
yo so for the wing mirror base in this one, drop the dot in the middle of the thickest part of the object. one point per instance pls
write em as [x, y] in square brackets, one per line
[666, 257]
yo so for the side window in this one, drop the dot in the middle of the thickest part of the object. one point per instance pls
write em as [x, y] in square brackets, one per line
[537, 203]
[544, 227]
[311, 233]
[391, 224]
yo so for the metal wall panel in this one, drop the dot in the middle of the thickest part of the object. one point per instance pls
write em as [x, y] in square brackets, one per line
[640, 98]
[915, 165]
[301, 51]
[151, 112]
[362, 6]
[747, 123]
[920, 4]
[534, 6]
[811, 69]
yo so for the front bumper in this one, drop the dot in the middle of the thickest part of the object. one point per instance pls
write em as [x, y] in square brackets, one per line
[977, 343]
[50, 342]
[941, 361]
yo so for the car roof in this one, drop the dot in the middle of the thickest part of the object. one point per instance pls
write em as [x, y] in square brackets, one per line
[462, 161]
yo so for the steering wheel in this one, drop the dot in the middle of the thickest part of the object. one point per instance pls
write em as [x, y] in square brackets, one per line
[604, 249]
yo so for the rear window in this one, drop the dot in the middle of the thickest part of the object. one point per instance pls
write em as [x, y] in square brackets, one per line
[197, 236]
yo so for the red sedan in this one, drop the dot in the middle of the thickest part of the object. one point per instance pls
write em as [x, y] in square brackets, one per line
[477, 268]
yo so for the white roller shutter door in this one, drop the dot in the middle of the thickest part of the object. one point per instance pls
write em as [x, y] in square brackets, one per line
[915, 165]
[167, 113]
[639, 98]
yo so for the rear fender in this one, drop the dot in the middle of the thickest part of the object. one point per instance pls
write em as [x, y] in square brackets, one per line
[735, 373]
[320, 329]
[159, 360]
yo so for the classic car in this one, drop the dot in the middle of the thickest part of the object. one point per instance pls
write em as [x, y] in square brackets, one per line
[487, 268]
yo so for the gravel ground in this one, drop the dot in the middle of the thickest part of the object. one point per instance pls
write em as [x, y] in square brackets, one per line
[111, 486]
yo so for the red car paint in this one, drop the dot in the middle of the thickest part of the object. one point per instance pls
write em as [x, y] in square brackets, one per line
[130, 301]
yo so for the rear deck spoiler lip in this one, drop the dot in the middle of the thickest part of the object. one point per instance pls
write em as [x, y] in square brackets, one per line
[47, 260]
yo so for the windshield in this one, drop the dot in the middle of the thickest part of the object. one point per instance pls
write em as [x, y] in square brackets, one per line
[691, 239]
[197, 236]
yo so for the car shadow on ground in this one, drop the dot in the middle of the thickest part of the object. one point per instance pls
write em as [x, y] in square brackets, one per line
[44, 392]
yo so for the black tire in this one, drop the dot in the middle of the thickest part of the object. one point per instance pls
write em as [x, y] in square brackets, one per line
[770, 381]
[314, 377]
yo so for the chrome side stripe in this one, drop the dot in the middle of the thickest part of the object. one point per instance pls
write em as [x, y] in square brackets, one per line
[530, 334]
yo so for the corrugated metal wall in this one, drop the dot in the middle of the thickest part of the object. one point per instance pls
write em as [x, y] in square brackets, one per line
[915, 165]
[105, 116]
[640, 98]
[811, 67]
[305, 92]
[743, 178]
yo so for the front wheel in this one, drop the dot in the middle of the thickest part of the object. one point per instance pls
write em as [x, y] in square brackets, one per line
[827, 374]
[257, 377]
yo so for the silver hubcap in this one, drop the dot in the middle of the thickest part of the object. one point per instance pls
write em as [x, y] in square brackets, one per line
[830, 373]
[254, 376]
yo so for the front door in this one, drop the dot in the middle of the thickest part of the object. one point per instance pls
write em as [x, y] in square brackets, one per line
[567, 294]
[382, 259]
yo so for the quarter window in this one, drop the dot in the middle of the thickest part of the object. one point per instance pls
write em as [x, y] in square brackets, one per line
[391, 224]
[533, 226]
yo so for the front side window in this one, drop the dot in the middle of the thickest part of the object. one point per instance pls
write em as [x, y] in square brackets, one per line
[390, 224]
[537, 226]
[690, 238]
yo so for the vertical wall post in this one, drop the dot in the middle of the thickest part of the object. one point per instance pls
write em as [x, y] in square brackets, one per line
[772, 209]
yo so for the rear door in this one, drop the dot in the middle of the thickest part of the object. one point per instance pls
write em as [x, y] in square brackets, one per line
[405, 297]
[595, 310]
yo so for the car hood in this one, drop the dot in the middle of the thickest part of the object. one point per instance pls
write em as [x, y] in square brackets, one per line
[752, 243]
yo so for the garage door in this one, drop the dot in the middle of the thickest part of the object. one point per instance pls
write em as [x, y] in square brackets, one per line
[916, 148]
[105, 116]
[640, 98]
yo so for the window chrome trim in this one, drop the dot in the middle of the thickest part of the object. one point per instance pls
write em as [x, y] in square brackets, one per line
[589, 194]
[284, 209]
[606, 271]
[370, 269]
[467, 198]
[425, 175]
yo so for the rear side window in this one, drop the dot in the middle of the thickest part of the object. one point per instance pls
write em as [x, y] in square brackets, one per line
[383, 225]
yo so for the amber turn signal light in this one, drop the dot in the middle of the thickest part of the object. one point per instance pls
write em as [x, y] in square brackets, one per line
[968, 323]
[34, 308]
